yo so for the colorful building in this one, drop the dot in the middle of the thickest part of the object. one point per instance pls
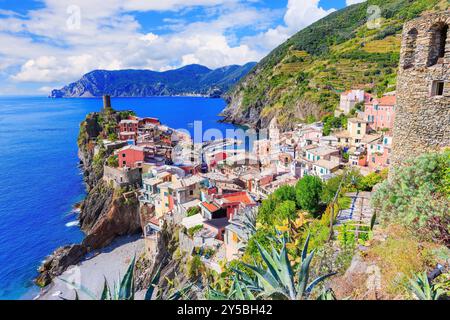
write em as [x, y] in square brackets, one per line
[380, 113]
[131, 156]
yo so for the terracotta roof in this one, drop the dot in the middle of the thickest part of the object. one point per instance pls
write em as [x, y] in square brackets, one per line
[387, 101]
[210, 206]
[241, 197]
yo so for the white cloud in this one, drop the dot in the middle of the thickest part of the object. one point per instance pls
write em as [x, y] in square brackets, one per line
[299, 14]
[44, 48]
[350, 2]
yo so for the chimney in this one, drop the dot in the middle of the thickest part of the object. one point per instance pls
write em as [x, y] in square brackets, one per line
[106, 102]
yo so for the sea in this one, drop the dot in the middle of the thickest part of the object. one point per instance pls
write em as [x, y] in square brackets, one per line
[40, 181]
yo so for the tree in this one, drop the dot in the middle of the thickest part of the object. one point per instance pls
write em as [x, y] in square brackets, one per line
[286, 210]
[308, 192]
[285, 193]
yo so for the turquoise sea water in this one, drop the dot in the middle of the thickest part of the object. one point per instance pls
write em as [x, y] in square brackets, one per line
[39, 178]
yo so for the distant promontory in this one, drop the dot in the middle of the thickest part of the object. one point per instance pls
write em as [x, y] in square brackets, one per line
[191, 80]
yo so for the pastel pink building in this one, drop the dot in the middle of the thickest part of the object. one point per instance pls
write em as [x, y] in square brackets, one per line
[380, 113]
[131, 156]
[379, 153]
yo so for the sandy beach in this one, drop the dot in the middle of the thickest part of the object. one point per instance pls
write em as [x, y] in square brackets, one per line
[110, 263]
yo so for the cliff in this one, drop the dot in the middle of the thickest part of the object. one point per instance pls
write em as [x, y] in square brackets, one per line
[106, 213]
[356, 47]
[189, 80]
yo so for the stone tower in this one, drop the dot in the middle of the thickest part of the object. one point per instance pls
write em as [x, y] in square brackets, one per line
[422, 121]
[107, 103]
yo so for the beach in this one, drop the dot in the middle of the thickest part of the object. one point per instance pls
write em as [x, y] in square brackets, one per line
[110, 263]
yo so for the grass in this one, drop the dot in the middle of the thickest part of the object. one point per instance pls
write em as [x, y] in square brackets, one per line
[400, 257]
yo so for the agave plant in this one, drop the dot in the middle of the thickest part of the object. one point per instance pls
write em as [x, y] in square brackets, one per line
[125, 289]
[278, 280]
[422, 289]
[327, 295]
[238, 291]
[248, 227]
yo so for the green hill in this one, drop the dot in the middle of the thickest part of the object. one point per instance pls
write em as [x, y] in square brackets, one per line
[302, 78]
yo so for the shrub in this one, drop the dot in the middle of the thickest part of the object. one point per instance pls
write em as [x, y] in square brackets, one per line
[416, 196]
[193, 211]
[192, 231]
[368, 182]
[309, 190]
[195, 267]
[113, 161]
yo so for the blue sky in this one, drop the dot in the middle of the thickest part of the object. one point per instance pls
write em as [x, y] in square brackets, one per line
[50, 43]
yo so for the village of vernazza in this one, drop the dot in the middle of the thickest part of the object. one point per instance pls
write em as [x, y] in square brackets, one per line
[225, 150]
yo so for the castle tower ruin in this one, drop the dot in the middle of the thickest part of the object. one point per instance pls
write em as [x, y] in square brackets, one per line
[422, 121]
[107, 103]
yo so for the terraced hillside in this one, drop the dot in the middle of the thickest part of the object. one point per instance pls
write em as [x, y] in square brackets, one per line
[351, 48]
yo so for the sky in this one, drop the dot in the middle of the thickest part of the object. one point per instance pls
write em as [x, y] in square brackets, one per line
[46, 44]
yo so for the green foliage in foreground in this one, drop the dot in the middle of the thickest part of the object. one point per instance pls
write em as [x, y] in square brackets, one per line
[417, 196]
[309, 190]
[422, 289]
[275, 278]
[125, 289]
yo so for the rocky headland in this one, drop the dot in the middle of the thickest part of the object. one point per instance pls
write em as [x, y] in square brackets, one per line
[106, 213]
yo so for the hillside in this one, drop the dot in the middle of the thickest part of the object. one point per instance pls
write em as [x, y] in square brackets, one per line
[302, 78]
[189, 80]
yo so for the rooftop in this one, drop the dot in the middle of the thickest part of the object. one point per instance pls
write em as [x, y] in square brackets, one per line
[387, 101]
[356, 120]
[327, 164]
[211, 207]
[322, 151]
[241, 197]
[129, 121]
[218, 223]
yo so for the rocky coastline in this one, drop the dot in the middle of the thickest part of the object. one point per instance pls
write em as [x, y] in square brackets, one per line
[105, 213]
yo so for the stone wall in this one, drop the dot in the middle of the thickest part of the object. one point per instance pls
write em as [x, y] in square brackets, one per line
[422, 120]
[121, 178]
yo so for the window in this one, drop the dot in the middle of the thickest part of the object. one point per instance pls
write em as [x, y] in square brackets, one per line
[124, 162]
[123, 155]
[437, 88]
[191, 192]
[438, 43]
[358, 132]
[410, 49]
